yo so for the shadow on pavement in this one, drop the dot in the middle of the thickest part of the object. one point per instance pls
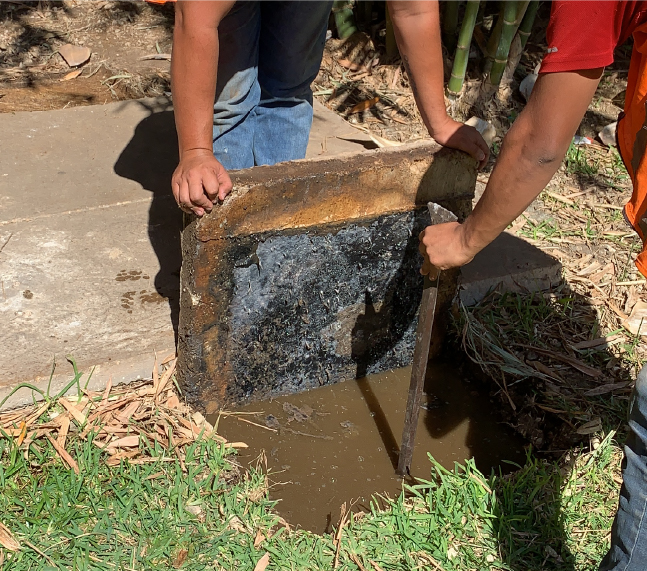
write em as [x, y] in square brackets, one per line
[150, 159]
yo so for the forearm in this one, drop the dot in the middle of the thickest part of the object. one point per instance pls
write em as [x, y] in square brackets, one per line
[194, 72]
[417, 29]
[521, 173]
[532, 151]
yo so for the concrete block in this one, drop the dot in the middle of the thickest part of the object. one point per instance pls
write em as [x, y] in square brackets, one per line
[510, 264]
[308, 274]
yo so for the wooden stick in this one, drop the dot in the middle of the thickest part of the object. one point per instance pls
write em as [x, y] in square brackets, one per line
[426, 315]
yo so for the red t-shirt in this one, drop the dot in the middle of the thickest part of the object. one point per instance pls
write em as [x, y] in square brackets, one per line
[583, 34]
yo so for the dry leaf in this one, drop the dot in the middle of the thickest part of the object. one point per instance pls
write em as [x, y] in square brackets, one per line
[194, 510]
[72, 75]
[637, 321]
[602, 342]
[156, 56]
[263, 562]
[124, 416]
[544, 369]
[608, 269]
[116, 459]
[7, 540]
[604, 389]
[260, 538]
[594, 425]
[180, 558]
[236, 524]
[75, 55]
[63, 430]
[363, 105]
[382, 142]
[23, 433]
[575, 363]
[75, 412]
[125, 442]
[63, 454]
[173, 401]
[353, 66]
[589, 269]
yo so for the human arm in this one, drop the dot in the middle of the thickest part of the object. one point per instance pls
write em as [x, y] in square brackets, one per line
[199, 179]
[417, 31]
[531, 153]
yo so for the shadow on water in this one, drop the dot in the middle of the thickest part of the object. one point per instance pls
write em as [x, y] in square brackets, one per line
[150, 159]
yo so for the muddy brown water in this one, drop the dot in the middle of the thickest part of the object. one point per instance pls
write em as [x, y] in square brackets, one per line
[339, 443]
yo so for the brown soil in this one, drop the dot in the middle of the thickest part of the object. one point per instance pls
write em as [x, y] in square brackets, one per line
[119, 34]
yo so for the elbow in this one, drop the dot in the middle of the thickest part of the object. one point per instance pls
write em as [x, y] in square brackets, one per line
[536, 147]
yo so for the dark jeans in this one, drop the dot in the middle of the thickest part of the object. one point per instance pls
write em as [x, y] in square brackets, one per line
[270, 53]
[629, 534]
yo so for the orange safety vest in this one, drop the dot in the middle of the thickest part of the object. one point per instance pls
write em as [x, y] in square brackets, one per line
[632, 140]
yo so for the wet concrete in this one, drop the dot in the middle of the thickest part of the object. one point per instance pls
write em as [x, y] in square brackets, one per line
[339, 443]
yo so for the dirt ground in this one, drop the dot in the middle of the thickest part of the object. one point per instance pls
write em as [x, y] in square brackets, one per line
[577, 219]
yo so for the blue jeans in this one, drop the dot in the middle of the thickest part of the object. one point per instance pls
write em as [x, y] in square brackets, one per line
[270, 53]
[629, 534]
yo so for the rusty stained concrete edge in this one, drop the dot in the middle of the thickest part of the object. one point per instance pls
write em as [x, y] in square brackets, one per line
[311, 192]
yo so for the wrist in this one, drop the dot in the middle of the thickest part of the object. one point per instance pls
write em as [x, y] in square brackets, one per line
[195, 151]
[471, 240]
[439, 124]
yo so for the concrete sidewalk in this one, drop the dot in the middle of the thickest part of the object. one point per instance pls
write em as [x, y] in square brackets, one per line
[89, 240]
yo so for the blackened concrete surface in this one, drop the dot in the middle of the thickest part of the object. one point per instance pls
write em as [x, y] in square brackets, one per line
[308, 274]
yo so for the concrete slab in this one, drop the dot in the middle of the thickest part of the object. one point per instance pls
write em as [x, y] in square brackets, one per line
[510, 264]
[309, 273]
[90, 239]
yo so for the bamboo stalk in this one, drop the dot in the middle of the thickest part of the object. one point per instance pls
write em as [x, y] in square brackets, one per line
[344, 18]
[450, 24]
[391, 44]
[528, 20]
[513, 13]
[365, 13]
[463, 48]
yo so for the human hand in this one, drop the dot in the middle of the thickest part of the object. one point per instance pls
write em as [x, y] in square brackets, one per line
[198, 181]
[443, 246]
[457, 135]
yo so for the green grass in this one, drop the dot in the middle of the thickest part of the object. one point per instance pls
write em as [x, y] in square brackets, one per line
[155, 516]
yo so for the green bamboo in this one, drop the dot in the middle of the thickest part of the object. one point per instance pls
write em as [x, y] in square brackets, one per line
[344, 18]
[391, 44]
[528, 20]
[511, 18]
[463, 48]
[450, 24]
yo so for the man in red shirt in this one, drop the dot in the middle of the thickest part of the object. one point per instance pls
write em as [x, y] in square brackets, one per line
[581, 39]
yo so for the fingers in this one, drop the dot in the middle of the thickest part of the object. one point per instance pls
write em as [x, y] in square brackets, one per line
[198, 182]
[211, 185]
[200, 202]
[427, 268]
[485, 149]
[224, 182]
[473, 148]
